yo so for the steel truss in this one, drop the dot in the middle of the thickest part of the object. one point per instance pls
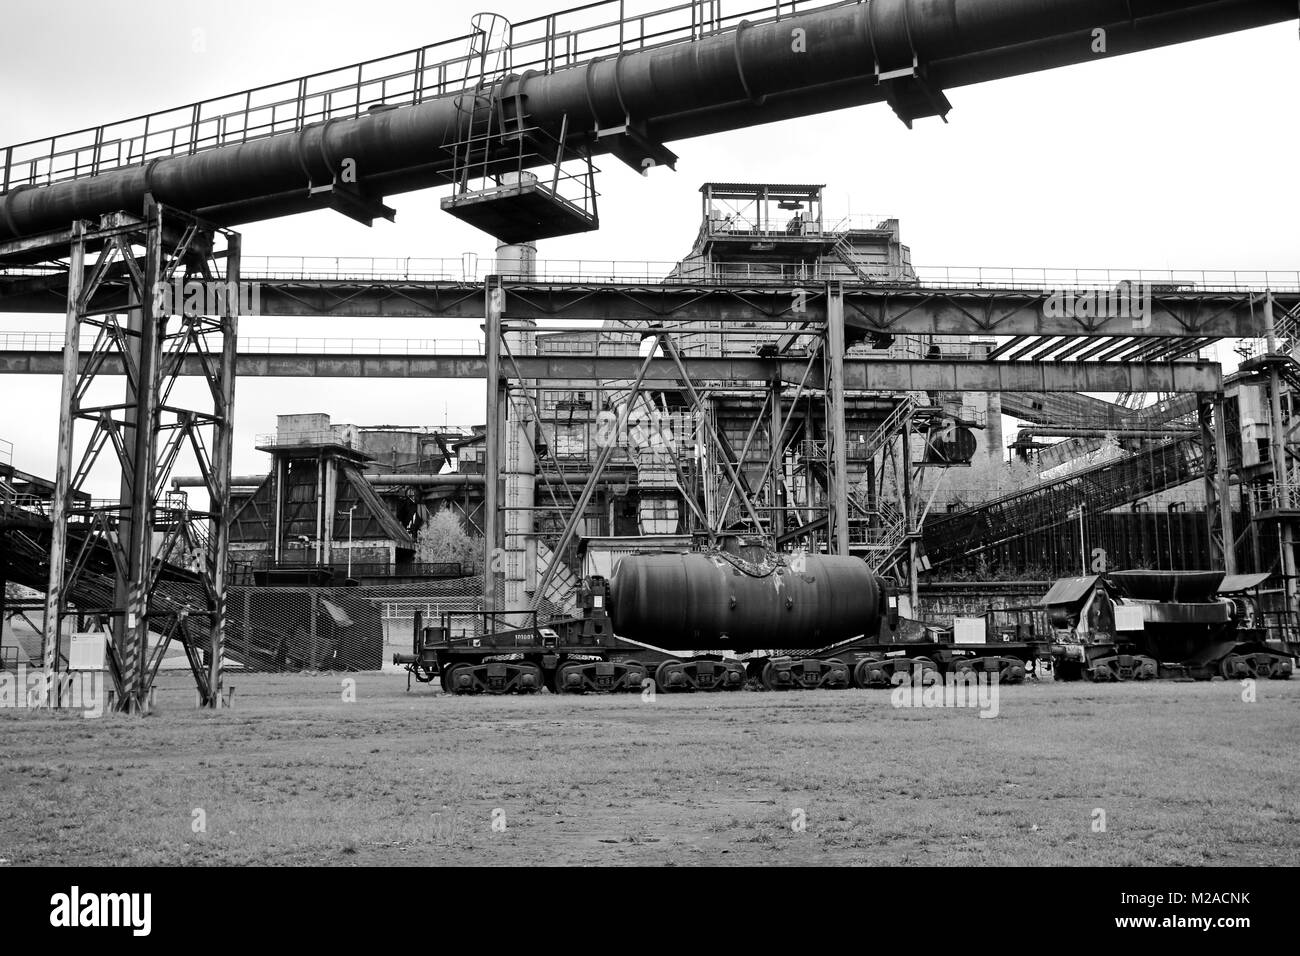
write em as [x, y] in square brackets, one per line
[145, 534]
[800, 494]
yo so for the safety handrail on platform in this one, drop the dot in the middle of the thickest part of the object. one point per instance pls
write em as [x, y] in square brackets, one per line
[544, 44]
[1067, 279]
[253, 345]
[472, 268]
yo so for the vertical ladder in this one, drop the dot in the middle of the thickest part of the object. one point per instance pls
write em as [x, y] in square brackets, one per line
[479, 114]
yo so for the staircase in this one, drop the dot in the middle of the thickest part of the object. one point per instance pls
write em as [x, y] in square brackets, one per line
[888, 430]
[881, 541]
[844, 252]
[1286, 329]
[882, 544]
[561, 597]
[1097, 489]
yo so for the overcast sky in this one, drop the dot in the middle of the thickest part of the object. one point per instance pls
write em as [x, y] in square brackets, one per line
[1181, 158]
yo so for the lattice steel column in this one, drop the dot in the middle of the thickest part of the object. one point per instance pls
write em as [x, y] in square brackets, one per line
[837, 460]
[493, 306]
[148, 566]
[1218, 501]
[55, 600]
[776, 462]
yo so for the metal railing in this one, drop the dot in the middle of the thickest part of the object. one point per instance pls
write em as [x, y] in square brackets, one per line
[543, 44]
[367, 346]
[291, 439]
[31, 341]
[1161, 280]
[827, 227]
[83, 509]
[468, 268]
[53, 342]
[857, 222]
[473, 269]
[370, 569]
[1275, 497]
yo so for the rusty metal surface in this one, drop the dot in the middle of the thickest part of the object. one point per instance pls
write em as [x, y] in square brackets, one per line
[699, 601]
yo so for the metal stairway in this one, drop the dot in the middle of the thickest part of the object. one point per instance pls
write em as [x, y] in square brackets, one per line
[889, 429]
[561, 597]
[1097, 489]
[843, 251]
[880, 537]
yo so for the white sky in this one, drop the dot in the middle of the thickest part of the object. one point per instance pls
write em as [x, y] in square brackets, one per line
[1181, 158]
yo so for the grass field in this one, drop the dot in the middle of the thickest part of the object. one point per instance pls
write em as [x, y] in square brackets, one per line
[1185, 774]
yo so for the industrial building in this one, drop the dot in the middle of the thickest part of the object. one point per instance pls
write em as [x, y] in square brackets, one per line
[791, 401]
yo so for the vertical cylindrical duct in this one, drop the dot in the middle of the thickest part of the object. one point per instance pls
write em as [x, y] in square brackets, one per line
[991, 438]
[520, 464]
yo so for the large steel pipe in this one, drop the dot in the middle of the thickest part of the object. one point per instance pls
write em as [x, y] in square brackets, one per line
[739, 78]
[698, 601]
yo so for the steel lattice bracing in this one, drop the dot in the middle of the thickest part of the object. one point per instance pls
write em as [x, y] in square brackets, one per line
[882, 309]
[771, 457]
[1099, 488]
[174, 266]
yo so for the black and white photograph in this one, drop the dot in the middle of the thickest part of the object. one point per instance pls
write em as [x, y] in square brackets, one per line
[650, 434]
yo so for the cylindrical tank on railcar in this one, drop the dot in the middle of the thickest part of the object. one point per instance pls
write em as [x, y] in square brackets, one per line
[703, 601]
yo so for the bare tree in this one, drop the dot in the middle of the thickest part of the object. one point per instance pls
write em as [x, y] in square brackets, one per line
[444, 541]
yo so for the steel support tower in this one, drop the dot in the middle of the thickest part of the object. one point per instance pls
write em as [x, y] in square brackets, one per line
[180, 278]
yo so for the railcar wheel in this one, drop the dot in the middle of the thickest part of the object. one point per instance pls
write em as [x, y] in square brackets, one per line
[1236, 667]
[1012, 672]
[918, 670]
[568, 679]
[460, 679]
[1145, 668]
[837, 675]
[671, 676]
[1100, 672]
[529, 679]
[869, 672]
[775, 678]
